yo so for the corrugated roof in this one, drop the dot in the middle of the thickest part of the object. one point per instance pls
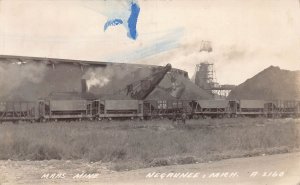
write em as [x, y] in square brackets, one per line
[9, 58]
[27, 59]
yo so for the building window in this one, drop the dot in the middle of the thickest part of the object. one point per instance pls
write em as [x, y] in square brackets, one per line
[162, 104]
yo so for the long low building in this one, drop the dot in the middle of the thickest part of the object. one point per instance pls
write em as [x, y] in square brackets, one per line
[32, 78]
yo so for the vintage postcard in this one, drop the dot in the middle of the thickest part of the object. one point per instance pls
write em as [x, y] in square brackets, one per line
[149, 92]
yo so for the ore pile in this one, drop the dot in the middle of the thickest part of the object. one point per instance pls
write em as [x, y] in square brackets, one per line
[173, 86]
[116, 86]
[272, 83]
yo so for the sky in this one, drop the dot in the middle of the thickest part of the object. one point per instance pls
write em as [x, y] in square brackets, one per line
[246, 36]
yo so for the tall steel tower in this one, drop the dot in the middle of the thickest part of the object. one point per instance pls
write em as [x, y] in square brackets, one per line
[205, 78]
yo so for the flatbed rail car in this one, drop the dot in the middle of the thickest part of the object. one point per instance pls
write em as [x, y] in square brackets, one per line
[65, 109]
[121, 109]
[16, 111]
[166, 108]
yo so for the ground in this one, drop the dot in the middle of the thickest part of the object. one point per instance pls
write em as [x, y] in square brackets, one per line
[126, 152]
[274, 169]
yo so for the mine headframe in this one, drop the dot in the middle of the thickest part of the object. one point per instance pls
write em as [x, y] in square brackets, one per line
[141, 89]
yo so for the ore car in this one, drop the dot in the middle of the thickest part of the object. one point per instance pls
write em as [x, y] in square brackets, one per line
[251, 108]
[211, 108]
[166, 108]
[65, 109]
[118, 109]
[282, 108]
[99, 109]
[17, 111]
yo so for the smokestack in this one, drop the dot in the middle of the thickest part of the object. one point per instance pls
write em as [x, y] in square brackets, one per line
[83, 86]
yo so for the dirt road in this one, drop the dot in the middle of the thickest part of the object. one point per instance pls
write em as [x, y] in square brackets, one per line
[276, 169]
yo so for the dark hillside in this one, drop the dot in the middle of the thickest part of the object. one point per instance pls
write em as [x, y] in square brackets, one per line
[271, 83]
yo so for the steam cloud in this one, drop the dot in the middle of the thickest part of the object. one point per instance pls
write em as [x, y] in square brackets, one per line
[96, 79]
[102, 76]
[14, 74]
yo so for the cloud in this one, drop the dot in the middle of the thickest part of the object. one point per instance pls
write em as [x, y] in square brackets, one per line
[167, 42]
[234, 53]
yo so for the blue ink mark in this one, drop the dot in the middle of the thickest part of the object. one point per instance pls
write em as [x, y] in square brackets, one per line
[169, 41]
[128, 17]
[132, 21]
[113, 22]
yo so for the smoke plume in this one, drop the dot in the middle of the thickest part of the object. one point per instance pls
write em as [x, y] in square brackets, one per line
[100, 77]
[13, 75]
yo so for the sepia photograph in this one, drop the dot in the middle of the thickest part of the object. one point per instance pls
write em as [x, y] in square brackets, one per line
[121, 92]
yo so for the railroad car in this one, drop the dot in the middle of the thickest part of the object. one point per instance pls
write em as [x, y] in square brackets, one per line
[15, 111]
[121, 109]
[282, 108]
[251, 108]
[65, 109]
[211, 108]
[99, 109]
[166, 108]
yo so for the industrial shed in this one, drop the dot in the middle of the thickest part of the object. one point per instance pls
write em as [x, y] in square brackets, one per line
[33, 78]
